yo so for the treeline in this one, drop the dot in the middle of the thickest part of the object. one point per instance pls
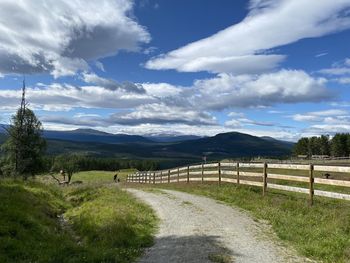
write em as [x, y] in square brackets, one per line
[337, 146]
[88, 163]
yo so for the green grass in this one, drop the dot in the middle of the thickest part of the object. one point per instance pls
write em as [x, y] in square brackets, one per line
[102, 222]
[29, 229]
[321, 232]
[111, 223]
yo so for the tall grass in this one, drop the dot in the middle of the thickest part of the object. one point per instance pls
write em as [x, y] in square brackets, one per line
[102, 223]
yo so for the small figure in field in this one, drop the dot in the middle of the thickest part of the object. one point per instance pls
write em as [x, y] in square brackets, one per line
[63, 173]
[327, 175]
[115, 178]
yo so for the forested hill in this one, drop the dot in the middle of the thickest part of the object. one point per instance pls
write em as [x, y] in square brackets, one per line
[225, 145]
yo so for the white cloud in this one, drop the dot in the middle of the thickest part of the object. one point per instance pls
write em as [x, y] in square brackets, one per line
[239, 120]
[318, 116]
[160, 113]
[339, 69]
[347, 62]
[285, 86]
[58, 97]
[100, 66]
[335, 71]
[235, 114]
[240, 48]
[321, 55]
[111, 84]
[344, 80]
[60, 37]
[162, 90]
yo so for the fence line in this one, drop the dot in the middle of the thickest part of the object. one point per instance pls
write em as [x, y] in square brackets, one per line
[256, 174]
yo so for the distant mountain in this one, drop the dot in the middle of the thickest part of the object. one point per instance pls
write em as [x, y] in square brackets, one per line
[232, 144]
[268, 138]
[90, 135]
[220, 146]
[172, 138]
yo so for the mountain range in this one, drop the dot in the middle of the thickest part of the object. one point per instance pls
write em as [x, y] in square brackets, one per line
[167, 149]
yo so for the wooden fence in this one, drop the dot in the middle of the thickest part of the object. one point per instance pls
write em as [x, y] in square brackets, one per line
[265, 175]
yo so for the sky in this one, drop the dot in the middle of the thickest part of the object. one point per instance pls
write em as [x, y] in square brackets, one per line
[278, 68]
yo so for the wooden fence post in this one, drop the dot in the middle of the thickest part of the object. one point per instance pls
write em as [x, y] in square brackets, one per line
[219, 171]
[161, 177]
[178, 174]
[202, 172]
[154, 177]
[311, 184]
[139, 178]
[188, 174]
[264, 179]
[237, 169]
[168, 176]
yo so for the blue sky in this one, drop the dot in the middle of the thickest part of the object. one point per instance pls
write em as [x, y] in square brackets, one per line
[268, 68]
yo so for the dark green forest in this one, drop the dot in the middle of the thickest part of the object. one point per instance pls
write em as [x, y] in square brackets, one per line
[337, 146]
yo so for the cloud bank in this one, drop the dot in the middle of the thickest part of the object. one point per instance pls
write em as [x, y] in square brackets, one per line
[245, 47]
[61, 37]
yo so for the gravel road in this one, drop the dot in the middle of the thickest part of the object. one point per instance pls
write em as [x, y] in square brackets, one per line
[199, 229]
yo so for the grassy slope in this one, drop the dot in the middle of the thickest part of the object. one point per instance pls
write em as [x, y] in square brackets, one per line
[105, 224]
[321, 232]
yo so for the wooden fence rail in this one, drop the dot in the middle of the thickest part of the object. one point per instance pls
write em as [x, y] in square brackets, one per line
[257, 174]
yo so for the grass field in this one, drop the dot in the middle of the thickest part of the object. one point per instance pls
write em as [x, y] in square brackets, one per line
[94, 221]
[321, 232]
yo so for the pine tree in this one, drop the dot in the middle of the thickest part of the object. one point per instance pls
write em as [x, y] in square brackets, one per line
[25, 146]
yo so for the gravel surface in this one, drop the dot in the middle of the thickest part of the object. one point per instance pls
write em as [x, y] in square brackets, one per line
[199, 229]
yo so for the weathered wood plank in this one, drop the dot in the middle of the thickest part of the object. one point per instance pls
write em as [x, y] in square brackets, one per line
[224, 172]
[228, 180]
[250, 174]
[338, 169]
[288, 166]
[250, 183]
[198, 179]
[288, 177]
[332, 195]
[288, 188]
[199, 166]
[195, 173]
[332, 182]
[226, 164]
[211, 165]
[214, 172]
[211, 179]
[251, 165]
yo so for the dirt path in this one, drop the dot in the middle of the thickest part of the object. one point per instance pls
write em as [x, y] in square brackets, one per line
[198, 229]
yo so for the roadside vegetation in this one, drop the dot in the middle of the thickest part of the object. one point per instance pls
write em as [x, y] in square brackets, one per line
[320, 232]
[94, 221]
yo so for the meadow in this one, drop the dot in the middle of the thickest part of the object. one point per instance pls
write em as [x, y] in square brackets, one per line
[95, 221]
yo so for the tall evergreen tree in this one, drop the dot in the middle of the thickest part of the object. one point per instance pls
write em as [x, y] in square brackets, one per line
[25, 146]
[301, 147]
[339, 145]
